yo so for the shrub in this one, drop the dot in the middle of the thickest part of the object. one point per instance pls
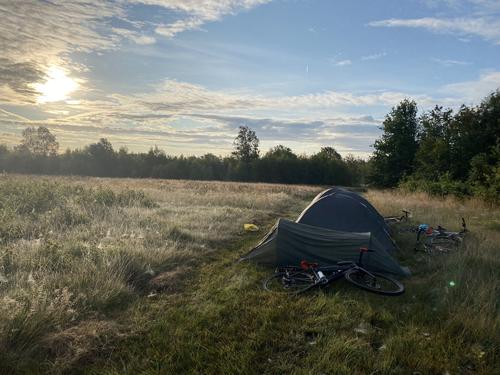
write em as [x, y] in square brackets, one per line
[440, 187]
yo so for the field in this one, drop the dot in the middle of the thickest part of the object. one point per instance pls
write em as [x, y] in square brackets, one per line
[120, 276]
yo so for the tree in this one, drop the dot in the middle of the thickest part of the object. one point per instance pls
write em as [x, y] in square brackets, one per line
[280, 152]
[101, 150]
[246, 145]
[395, 151]
[38, 141]
[433, 157]
[474, 130]
[102, 157]
[328, 153]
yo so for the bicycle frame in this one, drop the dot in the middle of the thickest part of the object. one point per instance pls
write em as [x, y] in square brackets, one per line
[295, 280]
[397, 219]
[439, 233]
[338, 270]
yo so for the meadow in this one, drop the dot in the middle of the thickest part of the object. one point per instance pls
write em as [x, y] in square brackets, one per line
[128, 276]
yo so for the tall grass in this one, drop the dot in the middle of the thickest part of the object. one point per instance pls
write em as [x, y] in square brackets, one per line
[226, 324]
[76, 253]
[122, 276]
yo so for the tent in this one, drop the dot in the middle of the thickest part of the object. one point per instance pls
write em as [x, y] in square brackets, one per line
[348, 212]
[289, 242]
[356, 196]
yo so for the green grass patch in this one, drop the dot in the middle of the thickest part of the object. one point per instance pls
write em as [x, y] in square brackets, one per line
[131, 287]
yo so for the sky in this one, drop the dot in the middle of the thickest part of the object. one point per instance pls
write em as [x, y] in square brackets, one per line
[183, 75]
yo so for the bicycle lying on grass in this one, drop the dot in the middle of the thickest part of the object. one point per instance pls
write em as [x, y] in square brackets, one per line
[439, 239]
[294, 280]
[391, 220]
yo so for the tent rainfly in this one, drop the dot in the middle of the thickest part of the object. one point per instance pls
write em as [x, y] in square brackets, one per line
[331, 229]
[289, 243]
[356, 196]
[348, 212]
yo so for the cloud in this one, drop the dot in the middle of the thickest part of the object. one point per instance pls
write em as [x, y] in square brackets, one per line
[16, 80]
[469, 92]
[198, 12]
[38, 35]
[216, 132]
[487, 28]
[185, 118]
[175, 96]
[374, 56]
[450, 62]
[343, 62]
[134, 36]
[179, 26]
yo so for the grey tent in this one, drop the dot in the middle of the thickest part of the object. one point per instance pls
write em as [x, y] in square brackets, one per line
[288, 243]
[347, 212]
[358, 197]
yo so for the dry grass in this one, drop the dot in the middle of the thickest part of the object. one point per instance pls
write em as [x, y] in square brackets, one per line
[75, 251]
[121, 276]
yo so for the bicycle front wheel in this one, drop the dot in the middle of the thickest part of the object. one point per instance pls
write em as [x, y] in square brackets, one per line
[290, 282]
[377, 283]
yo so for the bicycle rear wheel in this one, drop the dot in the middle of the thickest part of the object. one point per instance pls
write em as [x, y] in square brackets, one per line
[377, 283]
[294, 282]
[445, 245]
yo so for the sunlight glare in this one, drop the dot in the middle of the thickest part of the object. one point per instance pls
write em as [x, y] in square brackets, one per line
[57, 86]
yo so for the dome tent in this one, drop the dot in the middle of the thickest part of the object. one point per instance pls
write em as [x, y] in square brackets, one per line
[332, 228]
[288, 243]
[356, 196]
[347, 212]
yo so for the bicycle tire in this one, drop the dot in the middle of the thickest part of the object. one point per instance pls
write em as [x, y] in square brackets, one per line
[290, 283]
[381, 284]
[445, 245]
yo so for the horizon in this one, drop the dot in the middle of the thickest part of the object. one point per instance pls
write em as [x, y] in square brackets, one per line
[183, 75]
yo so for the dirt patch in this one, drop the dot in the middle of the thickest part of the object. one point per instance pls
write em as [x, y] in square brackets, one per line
[169, 281]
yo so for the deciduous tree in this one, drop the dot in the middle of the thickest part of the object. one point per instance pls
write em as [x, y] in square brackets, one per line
[246, 145]
[38, 141]
[395, 151]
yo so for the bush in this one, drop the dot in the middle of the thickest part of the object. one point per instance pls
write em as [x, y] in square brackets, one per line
[490, 190]
[441, 187]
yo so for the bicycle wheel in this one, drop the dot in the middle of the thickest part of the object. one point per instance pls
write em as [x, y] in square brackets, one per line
[377, 283]
[294, 282]
[445, 245]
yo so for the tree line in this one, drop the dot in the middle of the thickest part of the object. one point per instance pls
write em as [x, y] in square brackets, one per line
[38, 153]
[441, 151]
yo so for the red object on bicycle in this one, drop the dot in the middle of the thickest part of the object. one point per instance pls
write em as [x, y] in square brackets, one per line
[429, 230]
[363, 250]
[305, 265]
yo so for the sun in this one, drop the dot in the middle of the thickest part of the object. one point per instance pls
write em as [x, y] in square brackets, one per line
[58, 86]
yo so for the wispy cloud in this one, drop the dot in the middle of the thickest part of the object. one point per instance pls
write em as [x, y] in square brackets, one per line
[450, 62]
[198, 12]
[177, 96]
[469, 92]
[159, 117]
[136, 37]
[343, 62]
[374, 56]
[53, 30]
[487, 28]
[35, 35]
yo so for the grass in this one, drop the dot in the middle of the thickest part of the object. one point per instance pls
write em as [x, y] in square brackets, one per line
[120, 276]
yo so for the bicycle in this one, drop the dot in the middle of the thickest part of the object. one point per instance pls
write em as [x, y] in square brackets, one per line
[294, 280]
[391, 220]
[440, 239]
